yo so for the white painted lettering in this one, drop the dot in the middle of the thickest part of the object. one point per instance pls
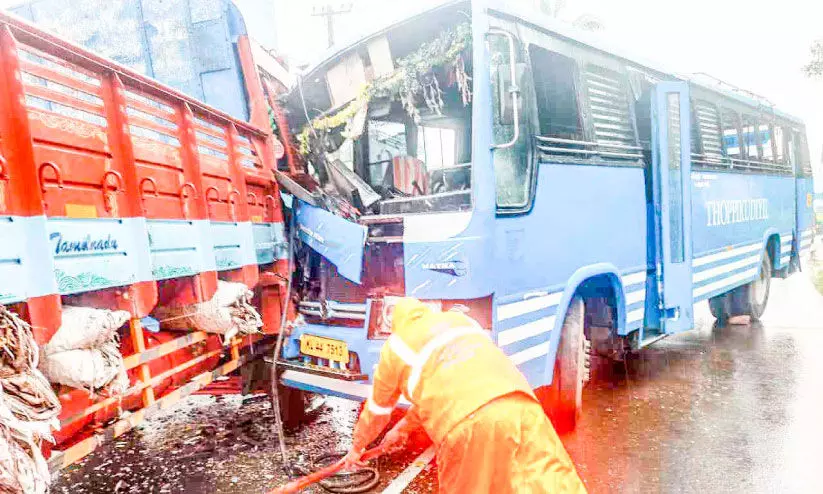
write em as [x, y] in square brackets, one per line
[729, 212]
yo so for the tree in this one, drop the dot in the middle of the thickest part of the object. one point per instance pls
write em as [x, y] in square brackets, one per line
[815, 66]
[555, 8]
[588, 22]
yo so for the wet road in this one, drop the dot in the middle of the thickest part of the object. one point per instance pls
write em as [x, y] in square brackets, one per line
[736, 409]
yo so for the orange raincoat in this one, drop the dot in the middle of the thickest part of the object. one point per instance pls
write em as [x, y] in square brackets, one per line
[490, 432]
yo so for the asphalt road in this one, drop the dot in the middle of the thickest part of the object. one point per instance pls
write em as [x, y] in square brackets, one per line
[734, 409]
[717, 410]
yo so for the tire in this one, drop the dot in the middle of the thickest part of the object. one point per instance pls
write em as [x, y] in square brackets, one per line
[571, 369]
[293, 403]
[755, 295]
[297, 407]
[747, 300]
[720, 308]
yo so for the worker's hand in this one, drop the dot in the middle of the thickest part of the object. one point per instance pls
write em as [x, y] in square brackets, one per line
[352, 461]
[395, 439]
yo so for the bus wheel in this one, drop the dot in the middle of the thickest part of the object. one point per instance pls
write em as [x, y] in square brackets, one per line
[720, 308]
[756, 294]
[571, 369]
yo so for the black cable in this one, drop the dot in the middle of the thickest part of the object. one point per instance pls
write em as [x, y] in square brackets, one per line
[356, 482]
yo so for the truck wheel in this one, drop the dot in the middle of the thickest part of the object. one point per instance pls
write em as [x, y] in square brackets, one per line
[571, 369]
[756, 294]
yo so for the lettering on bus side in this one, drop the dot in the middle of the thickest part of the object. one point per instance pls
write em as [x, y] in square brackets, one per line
[729, 212]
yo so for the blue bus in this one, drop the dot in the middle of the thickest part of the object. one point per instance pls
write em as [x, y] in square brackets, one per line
[573, 200]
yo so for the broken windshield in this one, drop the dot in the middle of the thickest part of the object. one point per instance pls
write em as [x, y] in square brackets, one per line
[398, 139]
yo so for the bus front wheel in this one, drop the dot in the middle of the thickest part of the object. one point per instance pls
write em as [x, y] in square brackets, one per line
[571, 370]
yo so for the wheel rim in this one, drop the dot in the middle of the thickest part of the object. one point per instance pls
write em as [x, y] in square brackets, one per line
[760, 287]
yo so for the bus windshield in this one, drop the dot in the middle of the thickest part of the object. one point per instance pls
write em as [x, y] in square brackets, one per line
[417, 166]
[397, 139]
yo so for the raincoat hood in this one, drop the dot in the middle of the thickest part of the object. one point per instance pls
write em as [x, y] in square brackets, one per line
[407, 311]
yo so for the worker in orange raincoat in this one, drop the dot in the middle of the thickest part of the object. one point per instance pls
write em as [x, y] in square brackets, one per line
[491, 433]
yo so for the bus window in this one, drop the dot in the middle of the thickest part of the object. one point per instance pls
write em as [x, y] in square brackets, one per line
[612, 125]
[512, 166]
[707, 123]
[731, 134]
[386, 140]
[558, 109]
[750, 146]
[767, 142]
[437, 147]
[779, 144]
[804, 167]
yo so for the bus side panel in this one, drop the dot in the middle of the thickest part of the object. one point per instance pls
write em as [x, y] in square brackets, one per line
[731, 214]
[805, 218]
[582, 215]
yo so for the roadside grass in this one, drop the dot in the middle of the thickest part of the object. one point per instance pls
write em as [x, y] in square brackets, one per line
[817, 269]
[817, 278]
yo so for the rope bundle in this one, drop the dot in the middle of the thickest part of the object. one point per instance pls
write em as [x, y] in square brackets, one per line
[28, 409]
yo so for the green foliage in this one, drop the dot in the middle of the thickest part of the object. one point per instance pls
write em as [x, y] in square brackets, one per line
[411, 79]
[818, 280]
[815, 66]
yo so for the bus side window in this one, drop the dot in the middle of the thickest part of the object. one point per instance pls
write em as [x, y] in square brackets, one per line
[512, 162]
[731, 134]
[801, 151]
[767, 141]
[779, 144]
[707, 124]
[558, 108]
[750, 139]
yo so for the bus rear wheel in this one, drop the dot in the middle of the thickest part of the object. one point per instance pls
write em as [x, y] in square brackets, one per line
[571, 370]
[747, 300]
[755, 295]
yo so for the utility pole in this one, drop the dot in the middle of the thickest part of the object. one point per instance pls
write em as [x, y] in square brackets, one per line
[329, 11]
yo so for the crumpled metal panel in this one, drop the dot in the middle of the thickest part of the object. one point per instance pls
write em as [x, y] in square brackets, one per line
[109, 28]
[187, 44]
[169, 36]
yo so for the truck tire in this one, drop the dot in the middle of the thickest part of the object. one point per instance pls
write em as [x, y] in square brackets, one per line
[571, 369]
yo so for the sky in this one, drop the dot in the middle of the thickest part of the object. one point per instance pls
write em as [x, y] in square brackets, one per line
[758, 45]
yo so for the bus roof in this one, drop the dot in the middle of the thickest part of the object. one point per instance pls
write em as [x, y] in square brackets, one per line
[592, 40]
[597, 42]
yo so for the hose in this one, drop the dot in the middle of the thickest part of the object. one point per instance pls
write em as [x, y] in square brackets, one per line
[324, 473]
[278, 419]
[362, 480]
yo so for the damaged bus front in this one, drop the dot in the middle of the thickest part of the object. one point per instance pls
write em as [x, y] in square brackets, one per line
[403, 195]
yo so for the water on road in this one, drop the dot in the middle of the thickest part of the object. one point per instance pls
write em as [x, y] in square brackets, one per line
[734, 409]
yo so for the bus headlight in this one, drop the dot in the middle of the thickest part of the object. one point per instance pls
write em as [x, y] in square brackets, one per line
[383, 309]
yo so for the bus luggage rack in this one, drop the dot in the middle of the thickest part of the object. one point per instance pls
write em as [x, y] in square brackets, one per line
[570, 148]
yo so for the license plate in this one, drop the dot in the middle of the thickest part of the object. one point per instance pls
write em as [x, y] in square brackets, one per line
[324, 348]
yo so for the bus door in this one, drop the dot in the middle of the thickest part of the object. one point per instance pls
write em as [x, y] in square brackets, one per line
[671, 169]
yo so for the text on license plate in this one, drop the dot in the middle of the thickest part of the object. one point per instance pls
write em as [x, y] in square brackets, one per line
[324, 348]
